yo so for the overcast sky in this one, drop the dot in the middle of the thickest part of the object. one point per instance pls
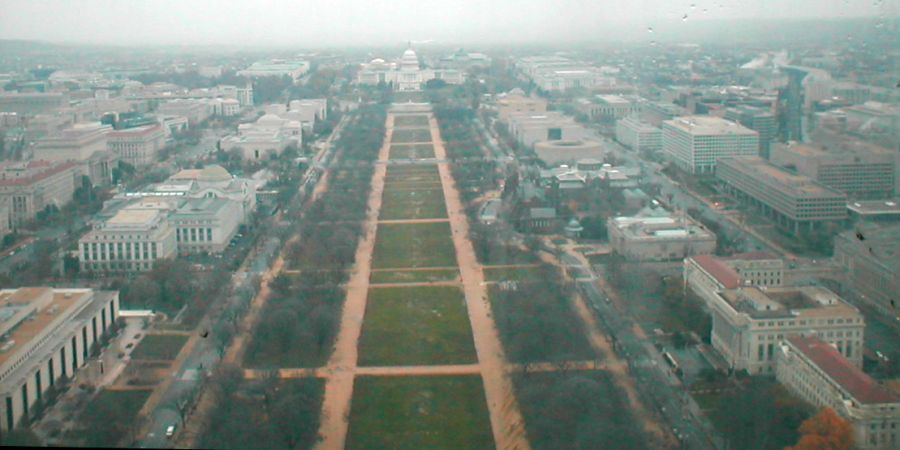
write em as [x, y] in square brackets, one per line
[310, 23]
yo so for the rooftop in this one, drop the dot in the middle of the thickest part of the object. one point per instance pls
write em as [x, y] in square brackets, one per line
[724, 274]
[768, 173]
[862, 387]
[708, 126]
[787, 302]
[130, 216]
[875, 207]
[27, 311]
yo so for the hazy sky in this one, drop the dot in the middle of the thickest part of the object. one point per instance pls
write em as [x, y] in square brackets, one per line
[311, 23]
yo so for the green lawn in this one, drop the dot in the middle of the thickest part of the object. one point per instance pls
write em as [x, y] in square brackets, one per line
[413, 204]
[410, 96]
[434, 413]
[411, 151]
[419, 120]
[414, 245]
[401, 135]
[407, 326]
[159, 346]
[510, 273]
[413, 276]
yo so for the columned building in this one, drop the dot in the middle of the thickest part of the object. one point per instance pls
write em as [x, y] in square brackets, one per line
[47, 335]
[405, 75]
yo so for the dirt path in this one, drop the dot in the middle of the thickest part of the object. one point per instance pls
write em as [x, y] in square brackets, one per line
[616, 366]
[339, 386]
[506, 420]
[413, 221]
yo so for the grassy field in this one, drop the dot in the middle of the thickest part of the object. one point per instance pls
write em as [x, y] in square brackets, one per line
[159, 346]
[419, 120]
[413, 204]
[401, 135]
[407, 326]
[413, 276]
[414, 96]
[411, 151]
[509, 273]
[433, 413]
[413, 245]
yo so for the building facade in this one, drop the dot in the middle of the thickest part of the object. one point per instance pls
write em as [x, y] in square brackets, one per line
[133, 240]
[791, 201]
[860, 170]
[47, 335]
[405, 75]
[870, 257]
[205, 225]
[657, 235]
[137, 146]
[638, 136]
[32, 187]
[819, 374]
[516, 102]
[695, 143]
[85, 144]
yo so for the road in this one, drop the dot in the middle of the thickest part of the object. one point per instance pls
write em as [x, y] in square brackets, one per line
[204, 357]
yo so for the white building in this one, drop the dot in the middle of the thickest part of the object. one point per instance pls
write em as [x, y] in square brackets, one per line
[819, 374]
[529, 128]
[638, 136]
[749, 322]
[307, 111]
[515, 102]
[269, 135]
[196, 111]
[657, 235]
[213, 181]
[85, 144]
[405, 75]
[276, 68]
[30, 187]
[137, 146]
[132, 240]
[47, 334]
[205, 225]
[694, 143]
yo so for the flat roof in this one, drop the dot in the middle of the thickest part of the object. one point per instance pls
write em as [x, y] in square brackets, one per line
[60, 304]
[862, 387]
[787, 302]
[724, 274]
[765, 171]
[709, 125]
[130, 216]
[875, 207]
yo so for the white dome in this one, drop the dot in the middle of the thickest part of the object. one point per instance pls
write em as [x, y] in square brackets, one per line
[409, 54]
[409, 59]
[269, 118]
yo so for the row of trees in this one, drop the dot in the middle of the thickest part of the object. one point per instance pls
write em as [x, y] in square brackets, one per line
[302, 317]
[263, 414]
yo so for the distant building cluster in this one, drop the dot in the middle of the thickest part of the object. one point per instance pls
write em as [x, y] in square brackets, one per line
[406, 74]
[655, 234]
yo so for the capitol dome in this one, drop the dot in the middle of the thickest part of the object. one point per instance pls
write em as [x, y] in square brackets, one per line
[409, 59]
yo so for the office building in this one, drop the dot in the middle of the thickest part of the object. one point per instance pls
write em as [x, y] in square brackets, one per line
[748, 322]
[791, 201]
[655, 113]
[528, 128]
[137, 146]
[195, 111]
[870, 255]
[874, 210]
[612, 107]
[134, 239]
[47, 335]
[819, 374]
[269, 135]
[276, 68]
[858, 169]
[31, 187]
[695, 143]
[515, 102]
[638, 136]
[31, 103]
[82, 143]
[655, 234]
[743, 269]
[758, 119]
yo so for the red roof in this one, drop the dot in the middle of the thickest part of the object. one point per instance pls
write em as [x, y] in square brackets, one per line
[861, 386]
[719, 270]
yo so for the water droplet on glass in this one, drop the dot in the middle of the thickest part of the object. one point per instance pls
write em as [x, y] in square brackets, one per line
[649, 29]
[693, 6]
[684, 18]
